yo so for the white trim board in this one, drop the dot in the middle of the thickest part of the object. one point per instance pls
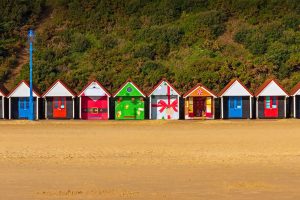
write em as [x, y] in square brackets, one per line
[272, 89]
[58, 90]
[94, 89]
[237, 89]
[22, 90]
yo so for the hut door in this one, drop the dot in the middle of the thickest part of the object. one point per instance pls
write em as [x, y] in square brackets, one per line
[271, 107]
[59, 107]
[23, 107]
[235, 107]
[199, 106]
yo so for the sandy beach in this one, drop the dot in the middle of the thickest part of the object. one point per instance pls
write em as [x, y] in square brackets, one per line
[243, 159]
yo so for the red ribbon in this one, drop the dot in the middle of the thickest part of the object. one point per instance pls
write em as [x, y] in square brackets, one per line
[165, 105]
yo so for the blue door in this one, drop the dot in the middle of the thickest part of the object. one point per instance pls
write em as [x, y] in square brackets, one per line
[235, 109]
[23, 107]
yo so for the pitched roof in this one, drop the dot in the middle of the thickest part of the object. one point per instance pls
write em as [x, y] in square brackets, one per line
[195, 87]
[295, 89]
[3, 90]
[34, 88]
[87, 85]
[266, 83]
[125, 83]
[61, 82]
[230, 83]
[160, 82]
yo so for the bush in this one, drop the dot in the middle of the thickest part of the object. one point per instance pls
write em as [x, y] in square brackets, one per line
[80, 43]
[145, 51]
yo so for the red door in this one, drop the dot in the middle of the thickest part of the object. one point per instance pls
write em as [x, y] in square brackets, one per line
[271, 107]
[59, 107]
[199, 107]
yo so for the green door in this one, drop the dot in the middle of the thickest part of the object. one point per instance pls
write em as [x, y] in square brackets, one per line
[129, 108]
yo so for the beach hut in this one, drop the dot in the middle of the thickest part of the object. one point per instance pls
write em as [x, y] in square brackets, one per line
[199, 103]
[236, 101]
[271, 100]
[295, 94]
[164, 101]
[129, 102]
[18, 101]
[3, 107]
[94, 102]
[59, 101]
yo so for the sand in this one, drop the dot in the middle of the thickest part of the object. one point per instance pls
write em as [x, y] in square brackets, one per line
[241, 159]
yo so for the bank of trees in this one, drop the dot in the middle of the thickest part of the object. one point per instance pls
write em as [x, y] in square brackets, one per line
[186, 41]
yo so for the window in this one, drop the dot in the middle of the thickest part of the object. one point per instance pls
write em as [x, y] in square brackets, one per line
[274, 102]
[239, 102]
[26, 103]
[55, 103]
[129, 89]
[62, 105]
[268, 103]
[21, 103]
[231, 99]
[208, 104]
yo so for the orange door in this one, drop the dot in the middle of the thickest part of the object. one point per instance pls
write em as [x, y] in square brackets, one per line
[59, 107]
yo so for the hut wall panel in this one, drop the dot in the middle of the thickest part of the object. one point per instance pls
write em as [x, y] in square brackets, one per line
[112, 108]
[181, 108]
[225, 108]
[69, 101]
[217, 108]
[246, 107]
[281, 106]
[41, 108]
[298, 106]
[50, 108]
[261, 110]
[1, 113]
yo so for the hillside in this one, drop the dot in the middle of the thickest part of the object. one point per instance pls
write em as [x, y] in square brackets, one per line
[186, 41]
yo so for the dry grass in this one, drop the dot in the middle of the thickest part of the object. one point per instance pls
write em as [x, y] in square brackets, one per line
[150, 160]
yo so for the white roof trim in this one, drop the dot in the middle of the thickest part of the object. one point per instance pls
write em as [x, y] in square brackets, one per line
[22, 90]
[273, 89]
[94, 82]
[236, 89]
[1, 94]
[296, 93]
[58, 90]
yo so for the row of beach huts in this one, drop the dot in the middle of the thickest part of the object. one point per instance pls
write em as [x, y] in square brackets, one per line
[129, 102]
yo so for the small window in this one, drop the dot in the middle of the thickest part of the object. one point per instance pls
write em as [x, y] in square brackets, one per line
[239, 102]
[274, 102]
[231, 102]
[268, 103]
[129, 89]
[26, 103]
[55, 103]
[62, 104]
[21, 103]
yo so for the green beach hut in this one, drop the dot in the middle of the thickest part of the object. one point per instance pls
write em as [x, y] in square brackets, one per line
[129, 102]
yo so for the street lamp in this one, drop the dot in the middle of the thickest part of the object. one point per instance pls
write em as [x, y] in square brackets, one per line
[30, 39]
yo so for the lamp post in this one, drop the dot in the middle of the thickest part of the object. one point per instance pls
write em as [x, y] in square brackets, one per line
[30, 38]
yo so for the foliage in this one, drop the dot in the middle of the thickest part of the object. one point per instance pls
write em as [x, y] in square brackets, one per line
[186, 41]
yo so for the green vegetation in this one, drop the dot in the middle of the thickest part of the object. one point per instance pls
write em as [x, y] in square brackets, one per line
[186, 41]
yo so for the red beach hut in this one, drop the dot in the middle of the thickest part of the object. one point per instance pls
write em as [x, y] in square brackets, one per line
[94, 102]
